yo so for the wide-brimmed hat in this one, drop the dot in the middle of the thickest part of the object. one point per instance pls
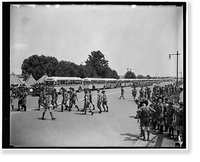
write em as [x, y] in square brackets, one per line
[144, 101]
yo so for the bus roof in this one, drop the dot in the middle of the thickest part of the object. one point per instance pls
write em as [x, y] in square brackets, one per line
[62, 78]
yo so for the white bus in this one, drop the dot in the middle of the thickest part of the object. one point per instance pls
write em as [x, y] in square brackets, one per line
[65, 82]
[125, 82]
[94, 83]
[111, 83]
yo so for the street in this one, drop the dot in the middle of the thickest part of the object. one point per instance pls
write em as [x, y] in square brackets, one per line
[116, 128]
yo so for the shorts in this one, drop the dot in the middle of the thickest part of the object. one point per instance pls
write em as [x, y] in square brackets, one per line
[73, 102]
[48, 107]
[104, 102]
[145, 124]
[98, 104]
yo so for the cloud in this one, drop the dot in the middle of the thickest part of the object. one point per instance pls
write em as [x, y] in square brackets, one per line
[19, 46]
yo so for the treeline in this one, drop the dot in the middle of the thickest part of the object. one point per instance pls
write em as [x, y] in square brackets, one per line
[95, 66]
[131, 75]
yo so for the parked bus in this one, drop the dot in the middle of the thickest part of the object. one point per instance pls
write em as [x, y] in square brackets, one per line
[111, 83]
[65, 82]
[94, 83]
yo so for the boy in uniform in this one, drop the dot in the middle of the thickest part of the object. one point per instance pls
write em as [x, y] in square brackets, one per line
[134, 92]
[160, 113]
[170, 114]
[122, 93]
[87, 103]
[64, 99]
[24, 99]
[73, 99]
[99, 100]
[47, 106]
[40, 100]
[90, 96]
[54, 98]
[11, 99]
[145, 115]
[104, 101]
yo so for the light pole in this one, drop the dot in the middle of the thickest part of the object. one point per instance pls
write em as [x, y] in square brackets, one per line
[176, 67]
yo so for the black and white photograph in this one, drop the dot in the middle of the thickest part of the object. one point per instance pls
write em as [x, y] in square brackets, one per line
[91, 75]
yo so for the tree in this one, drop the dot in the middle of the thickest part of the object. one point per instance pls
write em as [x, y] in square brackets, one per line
[140, 76]
[98, 62]
[129, 75]
[97, 66]
[148, 77]
[38, 66]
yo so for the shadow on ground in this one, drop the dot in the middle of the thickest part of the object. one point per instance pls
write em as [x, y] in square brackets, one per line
[130, 137]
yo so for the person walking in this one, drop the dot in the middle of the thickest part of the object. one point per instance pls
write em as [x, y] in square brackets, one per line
[11, 99]
[73, 99]
[64, 98]
[90, 96]
[24, 99]
[40, 99]
[20, 100]
[87, 103]
[54, 98]
[122, 93]
[47, 106]
[99, 100]
[134, 92]
[104, 101]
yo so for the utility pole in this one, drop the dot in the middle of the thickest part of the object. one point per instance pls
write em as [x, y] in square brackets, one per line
[177, 54]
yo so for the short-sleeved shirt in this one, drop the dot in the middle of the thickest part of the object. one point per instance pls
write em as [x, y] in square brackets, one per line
[99, 97]
[104, 97]
[145, 112]
[134, 91]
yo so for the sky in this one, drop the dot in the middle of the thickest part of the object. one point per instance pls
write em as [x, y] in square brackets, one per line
[135, 37]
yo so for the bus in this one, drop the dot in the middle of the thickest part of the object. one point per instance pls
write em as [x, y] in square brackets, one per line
[94, 83]
[125, 82]
[65, 82]
[111, 83]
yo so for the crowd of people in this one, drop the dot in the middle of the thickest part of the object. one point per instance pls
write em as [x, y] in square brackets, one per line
[160, 111]
[157, 109]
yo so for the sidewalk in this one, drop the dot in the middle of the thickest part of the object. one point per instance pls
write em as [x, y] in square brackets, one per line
[156, 140]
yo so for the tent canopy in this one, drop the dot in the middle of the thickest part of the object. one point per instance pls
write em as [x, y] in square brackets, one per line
[30, 81]
[42, 79]
[14, 80]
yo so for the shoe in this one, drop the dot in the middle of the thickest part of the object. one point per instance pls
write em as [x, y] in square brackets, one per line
[92, 113]
[99, 112]
[53, 119]
[84, 113]
[43, 118]
[147, 139]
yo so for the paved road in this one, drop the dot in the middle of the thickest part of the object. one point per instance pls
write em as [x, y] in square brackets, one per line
[115, 128]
